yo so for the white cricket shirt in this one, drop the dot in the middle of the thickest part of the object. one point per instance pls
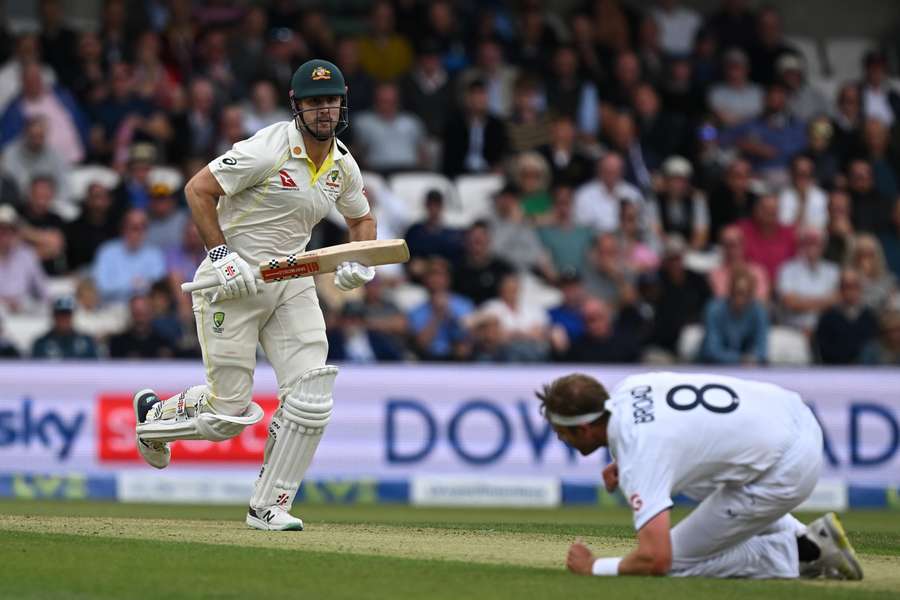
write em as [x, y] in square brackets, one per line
[688, 433]
[274, 195]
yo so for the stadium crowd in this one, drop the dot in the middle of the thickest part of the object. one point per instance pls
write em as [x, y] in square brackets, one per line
[664, 171]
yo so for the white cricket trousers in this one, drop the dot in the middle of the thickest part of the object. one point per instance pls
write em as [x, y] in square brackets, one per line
[747, 530]
[285, 318]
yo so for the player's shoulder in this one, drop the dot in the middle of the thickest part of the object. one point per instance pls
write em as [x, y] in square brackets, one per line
[347, 163]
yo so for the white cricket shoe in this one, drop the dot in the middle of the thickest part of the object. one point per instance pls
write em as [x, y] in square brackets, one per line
[838, 558]
[157, 454]
[273, 518]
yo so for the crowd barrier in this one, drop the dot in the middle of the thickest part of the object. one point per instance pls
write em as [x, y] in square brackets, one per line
[443, 434]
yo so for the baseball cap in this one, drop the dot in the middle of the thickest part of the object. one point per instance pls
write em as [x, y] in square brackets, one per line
[64, 304]
[677, 166]
[789, 62]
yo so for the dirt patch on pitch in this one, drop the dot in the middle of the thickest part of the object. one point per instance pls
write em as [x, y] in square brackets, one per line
[469, 545]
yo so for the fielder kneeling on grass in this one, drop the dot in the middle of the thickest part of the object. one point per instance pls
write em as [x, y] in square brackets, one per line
[749, 452]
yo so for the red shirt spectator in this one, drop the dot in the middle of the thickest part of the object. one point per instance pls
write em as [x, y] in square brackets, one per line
[766, 241]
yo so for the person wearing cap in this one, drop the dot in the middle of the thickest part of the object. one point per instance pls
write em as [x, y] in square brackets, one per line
[167, 219]
[62, 342]
[879, 100]
[133, 190]
[679, 207]
[258, 201]
[23, 283]
[736, 99]
[804, 100]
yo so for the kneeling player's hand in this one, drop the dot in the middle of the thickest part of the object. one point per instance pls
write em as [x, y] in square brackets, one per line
[351, 275]
[580, 560]
[235, 274]
[611, 477]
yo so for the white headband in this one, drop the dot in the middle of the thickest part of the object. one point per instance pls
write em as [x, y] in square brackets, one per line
[570, 420]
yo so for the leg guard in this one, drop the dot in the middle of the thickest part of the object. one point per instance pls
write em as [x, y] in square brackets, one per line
[193, 420]
[295, 432]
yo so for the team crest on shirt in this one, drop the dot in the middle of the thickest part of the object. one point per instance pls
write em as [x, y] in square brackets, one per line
[333, 181]
[218, 319]
[320, 73]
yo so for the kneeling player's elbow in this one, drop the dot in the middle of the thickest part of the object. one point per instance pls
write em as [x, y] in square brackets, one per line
[660, 564]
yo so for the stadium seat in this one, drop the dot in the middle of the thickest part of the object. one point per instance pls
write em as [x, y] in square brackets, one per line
[788, 346]
[61, 286]
[845, 55]
[534, 292]
[412, 187]
[812, 55]
[475, 198]
[827, 86]
[81, 177]
[373, 180]
[23, 330]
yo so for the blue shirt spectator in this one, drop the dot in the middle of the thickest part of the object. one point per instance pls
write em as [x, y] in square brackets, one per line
[128, 265]
[737, 327]
[437, 324]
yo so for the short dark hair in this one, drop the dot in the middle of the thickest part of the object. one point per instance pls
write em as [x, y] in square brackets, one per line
[571, 395]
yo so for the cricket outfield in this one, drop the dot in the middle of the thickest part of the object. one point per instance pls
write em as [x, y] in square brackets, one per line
[106, 550]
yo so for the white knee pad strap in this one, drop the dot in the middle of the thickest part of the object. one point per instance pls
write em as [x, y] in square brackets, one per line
[192, 423]
[296, 431]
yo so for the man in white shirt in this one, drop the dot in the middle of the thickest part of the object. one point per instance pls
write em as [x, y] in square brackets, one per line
[258, 201]
[388, 139]
[807, 284]
[597, 201]
[677, 27]
[749, 452]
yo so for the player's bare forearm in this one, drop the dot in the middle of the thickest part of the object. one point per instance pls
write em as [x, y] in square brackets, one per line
[202, 193]
[653, 556]
[362, 229]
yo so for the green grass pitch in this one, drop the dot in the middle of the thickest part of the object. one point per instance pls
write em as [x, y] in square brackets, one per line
[104, 550]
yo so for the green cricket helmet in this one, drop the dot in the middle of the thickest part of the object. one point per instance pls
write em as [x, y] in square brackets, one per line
[318, 78]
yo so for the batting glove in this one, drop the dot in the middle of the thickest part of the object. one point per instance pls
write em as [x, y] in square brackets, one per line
[351, 275]
[235, 274]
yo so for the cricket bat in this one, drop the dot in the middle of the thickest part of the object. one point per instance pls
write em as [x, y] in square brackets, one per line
[324, 260]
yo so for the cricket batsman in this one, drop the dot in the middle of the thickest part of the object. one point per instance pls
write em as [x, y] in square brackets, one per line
[260, 200]
[748, 452]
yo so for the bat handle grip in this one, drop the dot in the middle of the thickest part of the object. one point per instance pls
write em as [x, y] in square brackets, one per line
[203, 284]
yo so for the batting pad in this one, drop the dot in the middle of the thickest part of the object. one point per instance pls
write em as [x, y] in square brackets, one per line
[191, 423]
[296, 431]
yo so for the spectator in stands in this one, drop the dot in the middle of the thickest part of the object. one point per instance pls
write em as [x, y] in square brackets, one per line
[736, 328]
[431, 237]
[128, 265]
[807, 284]
[183, 259]
[845, 328]
[569, 93]
[524, 326]
[95, 225]
[677, 295]
[317, 31]
[427, 91]
[766, 241]
[474, 140]
[231, 128]
[734, 258]
[607, 275]
[499, 78]
[803, 202]
[91, 70]
[882, 155]
[870, 211]
[30, 156]
[878, 284]
[677, 25]
[848, 119]
[623, 139]
[167, 219]
[140, 341]
[121, 104]
[537, 40]
[591, 56]
[43, 228]
[477, 276]
[770, 140]
[566, 318]
[165, 321]
[133, 190]
[661, 133]
[568, 164]
[706, 63]
[355, 76]
[383, 316]
[23, 284]
[736, 99]
[384, 54]
[597, 202]
[514, 240]
[604, 340]
[565, 241]
[769, 46]
[285, 49]
[66, 124]
[445, 27]
[880, 101]
[488, 342]
[611, 21]
[530, 175]
[62, 342]
[639, 243]
[201, 117]
[678, 207]
[355, 342]
[7, 348]
[820, 134]
[733, 198]
[680, 93]
[264, 108]
[406, 150]
[626, 77]
[890, 241]
[528, 125]
[248, 46]
[93, 319]
[154, 81]
[885, 349]
[27, 52]
[840, 232]
[438, 325]
[650, 53]
[733, 23]
[804, 101]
